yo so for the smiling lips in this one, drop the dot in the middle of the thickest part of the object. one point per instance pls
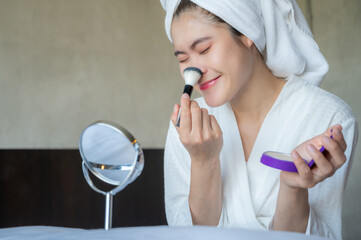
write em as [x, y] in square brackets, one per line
[208, 84]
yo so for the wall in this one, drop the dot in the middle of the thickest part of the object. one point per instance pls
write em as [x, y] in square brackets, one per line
[67, 63]
[337, 29]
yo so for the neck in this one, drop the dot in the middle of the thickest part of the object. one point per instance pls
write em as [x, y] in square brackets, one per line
[256, 98]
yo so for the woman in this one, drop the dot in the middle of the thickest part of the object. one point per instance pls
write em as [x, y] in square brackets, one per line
[258, 94]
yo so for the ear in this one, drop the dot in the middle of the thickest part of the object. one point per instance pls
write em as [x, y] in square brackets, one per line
[247, 42]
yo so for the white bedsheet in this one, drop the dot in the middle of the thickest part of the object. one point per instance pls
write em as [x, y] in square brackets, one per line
[149, 233]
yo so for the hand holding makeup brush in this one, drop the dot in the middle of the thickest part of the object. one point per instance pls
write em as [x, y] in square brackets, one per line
[199, 132]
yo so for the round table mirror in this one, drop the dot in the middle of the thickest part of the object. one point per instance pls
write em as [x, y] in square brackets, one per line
[112, 155]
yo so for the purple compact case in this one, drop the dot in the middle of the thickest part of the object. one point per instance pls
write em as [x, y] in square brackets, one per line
[283, 161]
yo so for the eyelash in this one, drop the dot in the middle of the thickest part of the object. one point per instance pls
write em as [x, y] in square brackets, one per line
[202, 52]
[205, 50]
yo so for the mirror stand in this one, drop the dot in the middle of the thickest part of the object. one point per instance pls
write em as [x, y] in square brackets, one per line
[112, 155]
[108, 211]
[108, 199]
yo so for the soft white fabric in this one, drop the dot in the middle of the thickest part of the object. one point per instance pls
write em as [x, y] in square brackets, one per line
[250, 189]
[144, 233]
[278, 29]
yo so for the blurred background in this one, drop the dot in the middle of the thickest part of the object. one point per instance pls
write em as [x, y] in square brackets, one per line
[67, 63]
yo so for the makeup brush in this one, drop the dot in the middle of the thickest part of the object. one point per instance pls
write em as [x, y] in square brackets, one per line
[191, 76]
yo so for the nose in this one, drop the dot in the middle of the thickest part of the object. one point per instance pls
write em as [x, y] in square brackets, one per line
[202, 68]
[198, 64]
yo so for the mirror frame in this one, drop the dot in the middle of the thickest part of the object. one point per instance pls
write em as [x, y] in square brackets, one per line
[138, 159]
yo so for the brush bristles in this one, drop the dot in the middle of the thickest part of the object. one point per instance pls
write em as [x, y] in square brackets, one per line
[192, 75]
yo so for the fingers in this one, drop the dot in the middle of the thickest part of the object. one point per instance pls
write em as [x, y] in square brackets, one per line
[327, 162]
[194, 122]
[338, 126]
[214, 124]
[305, 174]
[324, 167]
[186, 120]
[304, 177]
[206, 124]
[302, 168]
[336, 132]
[336, 154]
[331, 130]
[196, 114]
[338, 137]
[196, 125]
[335, 147]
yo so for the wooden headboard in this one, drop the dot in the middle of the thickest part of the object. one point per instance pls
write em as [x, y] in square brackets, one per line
[47, 187]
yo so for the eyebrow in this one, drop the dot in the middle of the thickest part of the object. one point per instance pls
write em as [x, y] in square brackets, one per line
[194, 44]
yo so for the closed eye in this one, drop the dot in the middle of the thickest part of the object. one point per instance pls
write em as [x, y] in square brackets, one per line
[205, 50]
[182, 61]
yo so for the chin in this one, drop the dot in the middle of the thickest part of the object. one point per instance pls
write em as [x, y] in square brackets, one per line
[214, 101]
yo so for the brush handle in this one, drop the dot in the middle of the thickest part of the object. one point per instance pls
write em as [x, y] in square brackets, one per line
[187, 89]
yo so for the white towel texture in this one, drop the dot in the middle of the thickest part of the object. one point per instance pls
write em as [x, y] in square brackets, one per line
[277, 28]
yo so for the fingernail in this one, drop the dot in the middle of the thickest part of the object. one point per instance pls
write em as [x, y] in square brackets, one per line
[185, 95]
[175, 107]
[337, 132]
[311, 148]
[326, 139]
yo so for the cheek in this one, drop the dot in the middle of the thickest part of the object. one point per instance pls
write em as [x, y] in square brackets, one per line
[230, 58]
[240, 64]
[196, 88]
[219, 58]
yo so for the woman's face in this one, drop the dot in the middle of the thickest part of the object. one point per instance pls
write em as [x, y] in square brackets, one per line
[226, 62]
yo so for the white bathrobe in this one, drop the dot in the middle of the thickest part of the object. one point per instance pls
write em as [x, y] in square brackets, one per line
[250, 189]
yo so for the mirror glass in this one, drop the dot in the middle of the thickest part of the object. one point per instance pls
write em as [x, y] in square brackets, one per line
[111, 153]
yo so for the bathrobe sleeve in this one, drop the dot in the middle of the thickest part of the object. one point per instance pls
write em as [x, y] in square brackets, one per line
[325, 198]
[176, 180]
[177, 165]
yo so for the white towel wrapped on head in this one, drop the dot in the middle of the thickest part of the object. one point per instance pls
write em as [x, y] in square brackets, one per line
[277, 28]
